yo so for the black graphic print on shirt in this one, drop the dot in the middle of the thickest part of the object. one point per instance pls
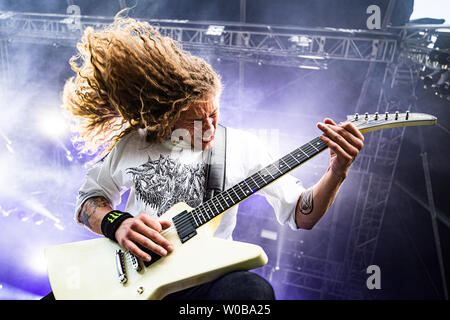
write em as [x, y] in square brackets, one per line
[164, 182]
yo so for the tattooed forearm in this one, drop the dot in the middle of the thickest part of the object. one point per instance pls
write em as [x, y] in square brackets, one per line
[84, 218]
[307, 202]
[90, 207]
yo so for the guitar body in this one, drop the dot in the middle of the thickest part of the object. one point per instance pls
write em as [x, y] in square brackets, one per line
[87, 269]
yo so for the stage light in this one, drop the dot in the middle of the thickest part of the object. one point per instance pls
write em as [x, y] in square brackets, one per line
[433, 39]
[215, 30]
[52, 124]
[69, 156]
[267, 234]
[309, 67]
[6, 15]
[305, 56]
[438, 81]
[431, 78]
[37, 262]
[301, 41]
[7, 213]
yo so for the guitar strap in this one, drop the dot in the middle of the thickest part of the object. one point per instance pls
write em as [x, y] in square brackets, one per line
[215, 172]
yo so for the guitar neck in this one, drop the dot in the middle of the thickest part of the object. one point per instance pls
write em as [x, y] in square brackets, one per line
[186, 222]
[247, 187]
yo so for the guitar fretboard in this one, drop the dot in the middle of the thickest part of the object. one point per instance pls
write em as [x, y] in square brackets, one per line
[247, 187]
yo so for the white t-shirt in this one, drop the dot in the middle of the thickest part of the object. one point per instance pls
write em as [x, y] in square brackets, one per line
[161, 175]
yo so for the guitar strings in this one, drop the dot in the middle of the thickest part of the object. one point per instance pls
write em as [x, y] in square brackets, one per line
[304, 149]
[292, 163]
[307, 148]
[184, 222]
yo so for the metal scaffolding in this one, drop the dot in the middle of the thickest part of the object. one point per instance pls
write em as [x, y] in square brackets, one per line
[263, 44]
[397, 93]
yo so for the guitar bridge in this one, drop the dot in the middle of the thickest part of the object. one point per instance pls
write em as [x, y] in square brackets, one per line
[185, 226]
[120, 268]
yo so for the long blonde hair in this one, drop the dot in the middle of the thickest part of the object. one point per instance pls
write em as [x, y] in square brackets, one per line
[131, 77]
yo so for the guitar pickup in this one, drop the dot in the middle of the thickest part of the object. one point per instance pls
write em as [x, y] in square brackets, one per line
[184, 224]
[154, 256]
[134, 262]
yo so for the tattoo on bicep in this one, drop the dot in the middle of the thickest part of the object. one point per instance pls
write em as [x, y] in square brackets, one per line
[307, 203]
[90, 207]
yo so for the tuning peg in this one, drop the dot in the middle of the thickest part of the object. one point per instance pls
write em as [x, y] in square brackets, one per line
[386, 115]
[396, 115]
[376, 115]
[356, 116]
[366, 116]
[407, 115]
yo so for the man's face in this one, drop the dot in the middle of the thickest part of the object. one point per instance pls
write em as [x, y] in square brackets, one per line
[201, 122]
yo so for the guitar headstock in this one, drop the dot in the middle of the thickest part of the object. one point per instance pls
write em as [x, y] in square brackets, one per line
[372, 122]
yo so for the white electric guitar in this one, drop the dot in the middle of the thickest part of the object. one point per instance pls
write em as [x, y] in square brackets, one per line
[101, 269]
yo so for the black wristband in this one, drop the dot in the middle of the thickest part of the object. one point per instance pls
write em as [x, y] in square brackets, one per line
[111, 222]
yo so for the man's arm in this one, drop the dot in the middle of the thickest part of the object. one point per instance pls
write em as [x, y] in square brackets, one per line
[345, 142]
[140, 230]
[315, 201]
[92, 213]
